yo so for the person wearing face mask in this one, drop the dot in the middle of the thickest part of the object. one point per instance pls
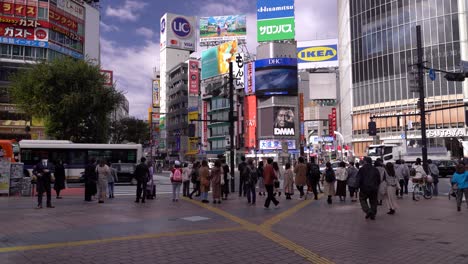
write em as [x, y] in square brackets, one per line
[43, 173]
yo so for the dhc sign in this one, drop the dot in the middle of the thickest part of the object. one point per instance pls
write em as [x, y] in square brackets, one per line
[317, 53]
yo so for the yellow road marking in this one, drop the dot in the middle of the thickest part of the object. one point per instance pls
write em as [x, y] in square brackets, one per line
[116, 239]
[264, 230]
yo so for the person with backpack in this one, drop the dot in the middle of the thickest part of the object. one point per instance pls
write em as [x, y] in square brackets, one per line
[313, 178]
[328, 182]
[195, 179]
[434, 172]
[369, 182]
[242, 167]
[251, 181]
[141, 175]
[352, 181]
[176, 180]
[289, 181]
[301, 176]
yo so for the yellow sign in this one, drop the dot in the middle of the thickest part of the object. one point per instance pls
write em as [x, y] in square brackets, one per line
[192, 116]
[319, 53]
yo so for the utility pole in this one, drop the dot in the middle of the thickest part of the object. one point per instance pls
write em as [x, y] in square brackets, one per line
[422, 106]
[231, 122]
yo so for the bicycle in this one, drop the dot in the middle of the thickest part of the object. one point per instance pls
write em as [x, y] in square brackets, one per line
[421, 188]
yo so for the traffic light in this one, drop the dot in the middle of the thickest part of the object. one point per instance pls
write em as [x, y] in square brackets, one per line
[455, 76]
[372, 128]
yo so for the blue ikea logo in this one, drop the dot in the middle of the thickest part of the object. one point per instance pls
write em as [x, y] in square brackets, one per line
[317, 53]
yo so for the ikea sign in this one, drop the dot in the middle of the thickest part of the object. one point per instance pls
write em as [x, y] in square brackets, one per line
[317, 54]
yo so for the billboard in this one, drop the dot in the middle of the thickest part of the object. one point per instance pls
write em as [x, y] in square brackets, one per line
[273, 144]
[284, 121]
[194, 77]
[250, 122]
[317, 54]
[18, 9]
[178, 32]
[238, 71]
[108, 76]
[249, 74]
[276, 76]
[222, 28]
[215, 61]
[301, 115]
[156, 96]
[275, 20]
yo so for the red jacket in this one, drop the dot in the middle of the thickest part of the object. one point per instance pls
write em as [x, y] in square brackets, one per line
[268, 175]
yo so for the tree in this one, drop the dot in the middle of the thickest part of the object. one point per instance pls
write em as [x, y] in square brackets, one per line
[130, 130]
[70, 96]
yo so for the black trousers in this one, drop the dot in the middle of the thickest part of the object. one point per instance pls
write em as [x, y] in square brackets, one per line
[314, 187]
[90, 190]
[196, 189]
[44, 188]
[372, 197]
[141, 188]
[242, 188]
[300, 189]
[186, 188]
[406, 185]
[270, 197]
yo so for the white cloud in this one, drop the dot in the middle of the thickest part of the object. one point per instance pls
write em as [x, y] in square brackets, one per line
[128, 12]
[316, 21]
[108, 28]
[145, 32]
[133, 71]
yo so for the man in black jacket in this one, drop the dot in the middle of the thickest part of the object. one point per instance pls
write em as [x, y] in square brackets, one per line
[43, 171]
[141, 175]
[313, 178]
[242, 167]
[369, 181]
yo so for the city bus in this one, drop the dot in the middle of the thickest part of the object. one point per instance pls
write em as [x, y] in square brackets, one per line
[76, 156]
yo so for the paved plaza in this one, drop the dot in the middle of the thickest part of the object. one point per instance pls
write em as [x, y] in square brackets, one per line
[160, 231]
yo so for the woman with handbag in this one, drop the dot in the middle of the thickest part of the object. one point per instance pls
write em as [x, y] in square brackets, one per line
[392, 187]
[378, 164]
[204, 173]
[460, 182]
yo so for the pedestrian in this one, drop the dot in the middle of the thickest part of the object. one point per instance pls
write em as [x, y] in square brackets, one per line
[352, 181]
[186, 180]
[434, 172]
[400, 178]
[313, 178]
[113, 178]
[261, 182]
[301, 176]
[251, 181]
[278, 179]
[150, 185]
[43, 174]
[392, 187]
[226, 179]
[216, 181]
[242, 167]
[288, 181]
[205, 177]
[195, 179]
[59, 174]
[90, 179]
[103, 173]
[328, 181]
[141, 175]
[269, 179]
[406, 175]
[460, 183]
[341, 177]
[383, 183]
[369, 182]
[176, 180]
[418, 170]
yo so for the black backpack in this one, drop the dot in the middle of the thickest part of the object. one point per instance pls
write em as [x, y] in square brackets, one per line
[315, 171]
[252, 176]
[330, 176]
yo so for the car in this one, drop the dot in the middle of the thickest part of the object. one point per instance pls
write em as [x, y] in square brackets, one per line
[125, 172]
[446, 167]
[335, 165]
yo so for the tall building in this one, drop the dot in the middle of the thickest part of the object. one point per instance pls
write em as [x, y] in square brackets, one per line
[377, 43]
[41, 30]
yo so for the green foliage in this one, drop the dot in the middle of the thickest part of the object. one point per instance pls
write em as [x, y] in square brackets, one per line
[130, 130]
[70, 96]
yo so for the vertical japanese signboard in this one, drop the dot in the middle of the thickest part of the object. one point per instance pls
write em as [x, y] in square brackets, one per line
[194, 77]
[250, 122]
[333, 124]
[205, 124]
[301, 114]
[249, 82]
[156, 99]
[238, 69]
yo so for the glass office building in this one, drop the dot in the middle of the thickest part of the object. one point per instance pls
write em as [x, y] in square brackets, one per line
[382, 49]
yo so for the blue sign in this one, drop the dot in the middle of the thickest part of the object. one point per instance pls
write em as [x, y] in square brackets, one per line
[163, 25]
[271, 9]
[275, 62]
[276, 144]
[65, 51]
[432, 74]
[317, 53]
[181, 27]
[24, 42]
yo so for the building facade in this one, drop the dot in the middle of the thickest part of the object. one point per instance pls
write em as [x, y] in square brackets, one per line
[378, 47]
[41, 30]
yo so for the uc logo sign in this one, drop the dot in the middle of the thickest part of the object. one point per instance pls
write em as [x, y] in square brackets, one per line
[163, 25]
[181, 27]
[316, 54]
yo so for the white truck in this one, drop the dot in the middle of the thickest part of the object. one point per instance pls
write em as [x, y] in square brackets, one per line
[395, 150]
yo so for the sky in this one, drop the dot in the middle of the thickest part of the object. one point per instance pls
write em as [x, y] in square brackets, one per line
[130, 35]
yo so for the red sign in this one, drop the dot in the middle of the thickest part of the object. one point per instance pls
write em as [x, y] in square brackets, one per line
[18, 10]
[7, 30]
[301, 114]
[333, 124]
[61, 19]
[194, 77]
[23, 22]
[250, 122]
[205, 124]
[249, 78]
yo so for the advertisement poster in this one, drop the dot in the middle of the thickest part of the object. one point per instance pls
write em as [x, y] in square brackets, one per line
[276, 76]
[178, 32]
[222, 28]
[284, 123]
[215, 61]
[271, 9]
[156, 99]
[275, 20]
[4, 176]
[250, 122]
[194, 77]
[317, 54]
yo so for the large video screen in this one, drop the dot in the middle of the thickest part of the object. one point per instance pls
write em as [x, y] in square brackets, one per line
[276, 77]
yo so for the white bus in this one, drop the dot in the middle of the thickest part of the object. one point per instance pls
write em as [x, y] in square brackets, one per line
[76, 156]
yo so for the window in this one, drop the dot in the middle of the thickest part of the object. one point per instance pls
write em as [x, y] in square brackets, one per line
[43, 13]
[18, 51]
[28, 52]
[77, 157]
